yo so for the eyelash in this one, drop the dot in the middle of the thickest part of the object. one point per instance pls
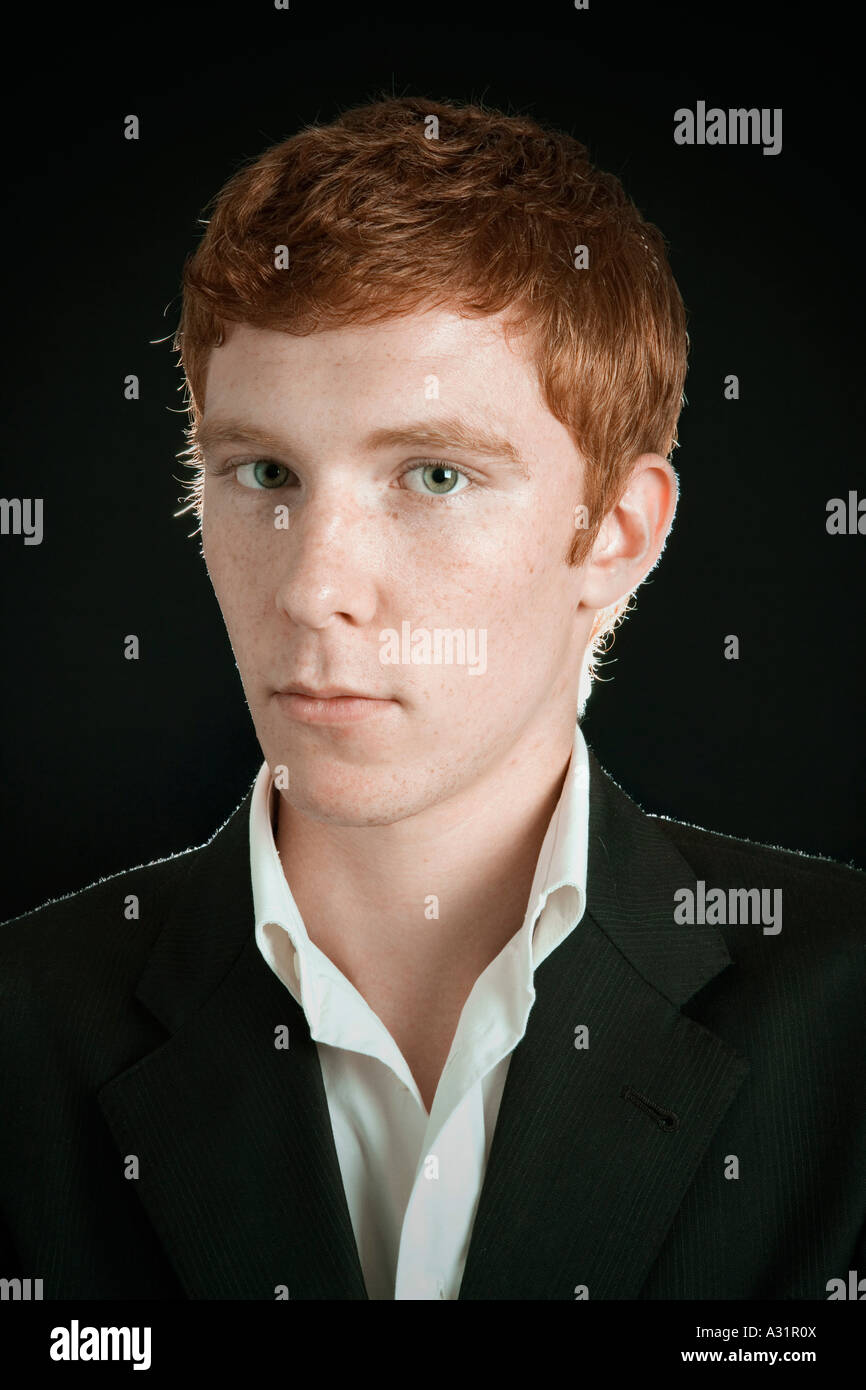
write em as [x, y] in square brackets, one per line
[232, 465]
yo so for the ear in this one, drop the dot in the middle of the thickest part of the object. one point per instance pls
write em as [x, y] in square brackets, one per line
[633, 534]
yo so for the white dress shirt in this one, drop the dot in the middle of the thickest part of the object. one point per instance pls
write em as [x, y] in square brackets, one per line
[413, 1180]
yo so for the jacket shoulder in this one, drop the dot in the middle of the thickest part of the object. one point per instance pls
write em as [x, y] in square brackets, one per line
[97, 940]
[115, 917]
[809, 880]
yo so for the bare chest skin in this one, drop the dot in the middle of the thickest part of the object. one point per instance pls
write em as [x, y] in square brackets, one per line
[422, 1021]
[418, 989]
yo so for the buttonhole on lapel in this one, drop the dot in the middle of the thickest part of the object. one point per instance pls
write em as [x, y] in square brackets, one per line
[665, 1119]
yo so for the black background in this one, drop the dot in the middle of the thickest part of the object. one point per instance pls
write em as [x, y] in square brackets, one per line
[107, 763]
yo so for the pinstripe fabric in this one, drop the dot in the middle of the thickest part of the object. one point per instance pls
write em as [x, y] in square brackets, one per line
[153, 1040]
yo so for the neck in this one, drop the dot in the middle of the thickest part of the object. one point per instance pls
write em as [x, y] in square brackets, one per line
[443, 890]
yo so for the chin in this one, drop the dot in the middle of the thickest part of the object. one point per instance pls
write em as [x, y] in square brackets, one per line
[355, 796]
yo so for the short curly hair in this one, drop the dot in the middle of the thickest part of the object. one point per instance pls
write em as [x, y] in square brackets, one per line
[405, 203]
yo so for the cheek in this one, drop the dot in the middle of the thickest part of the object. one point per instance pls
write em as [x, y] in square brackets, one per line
[507, 574]
[484, 556]
[233, 563]
[512, 610]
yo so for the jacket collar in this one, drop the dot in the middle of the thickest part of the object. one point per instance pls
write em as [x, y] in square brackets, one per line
[238, 1168]
[595, 1148]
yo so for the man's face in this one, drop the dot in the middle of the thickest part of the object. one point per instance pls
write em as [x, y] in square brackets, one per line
[336, 557]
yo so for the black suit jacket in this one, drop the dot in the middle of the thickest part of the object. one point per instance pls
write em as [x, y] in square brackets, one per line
[153, 1039]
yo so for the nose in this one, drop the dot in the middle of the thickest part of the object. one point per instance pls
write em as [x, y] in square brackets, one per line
[330, 564]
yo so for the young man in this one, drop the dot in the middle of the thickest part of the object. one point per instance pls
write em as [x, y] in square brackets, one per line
[439, 1012]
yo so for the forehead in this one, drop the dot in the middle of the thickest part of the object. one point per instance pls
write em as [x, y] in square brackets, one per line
[401, 343]
[431, 363]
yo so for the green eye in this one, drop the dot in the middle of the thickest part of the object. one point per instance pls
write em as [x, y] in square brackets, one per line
[262, 473]
[438, 479]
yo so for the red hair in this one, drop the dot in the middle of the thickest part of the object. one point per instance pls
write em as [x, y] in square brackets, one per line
[381, 220]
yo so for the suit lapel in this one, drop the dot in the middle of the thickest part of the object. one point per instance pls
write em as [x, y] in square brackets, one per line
[584, 1181]
[238, 1170]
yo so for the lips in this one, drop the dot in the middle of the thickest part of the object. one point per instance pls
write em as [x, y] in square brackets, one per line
[335, 707]
[330, 692]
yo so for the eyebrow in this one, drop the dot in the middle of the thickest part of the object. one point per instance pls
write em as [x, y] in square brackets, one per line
[445, 434]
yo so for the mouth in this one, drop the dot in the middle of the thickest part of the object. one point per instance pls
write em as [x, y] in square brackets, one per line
[330, 692]
[331, 705]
